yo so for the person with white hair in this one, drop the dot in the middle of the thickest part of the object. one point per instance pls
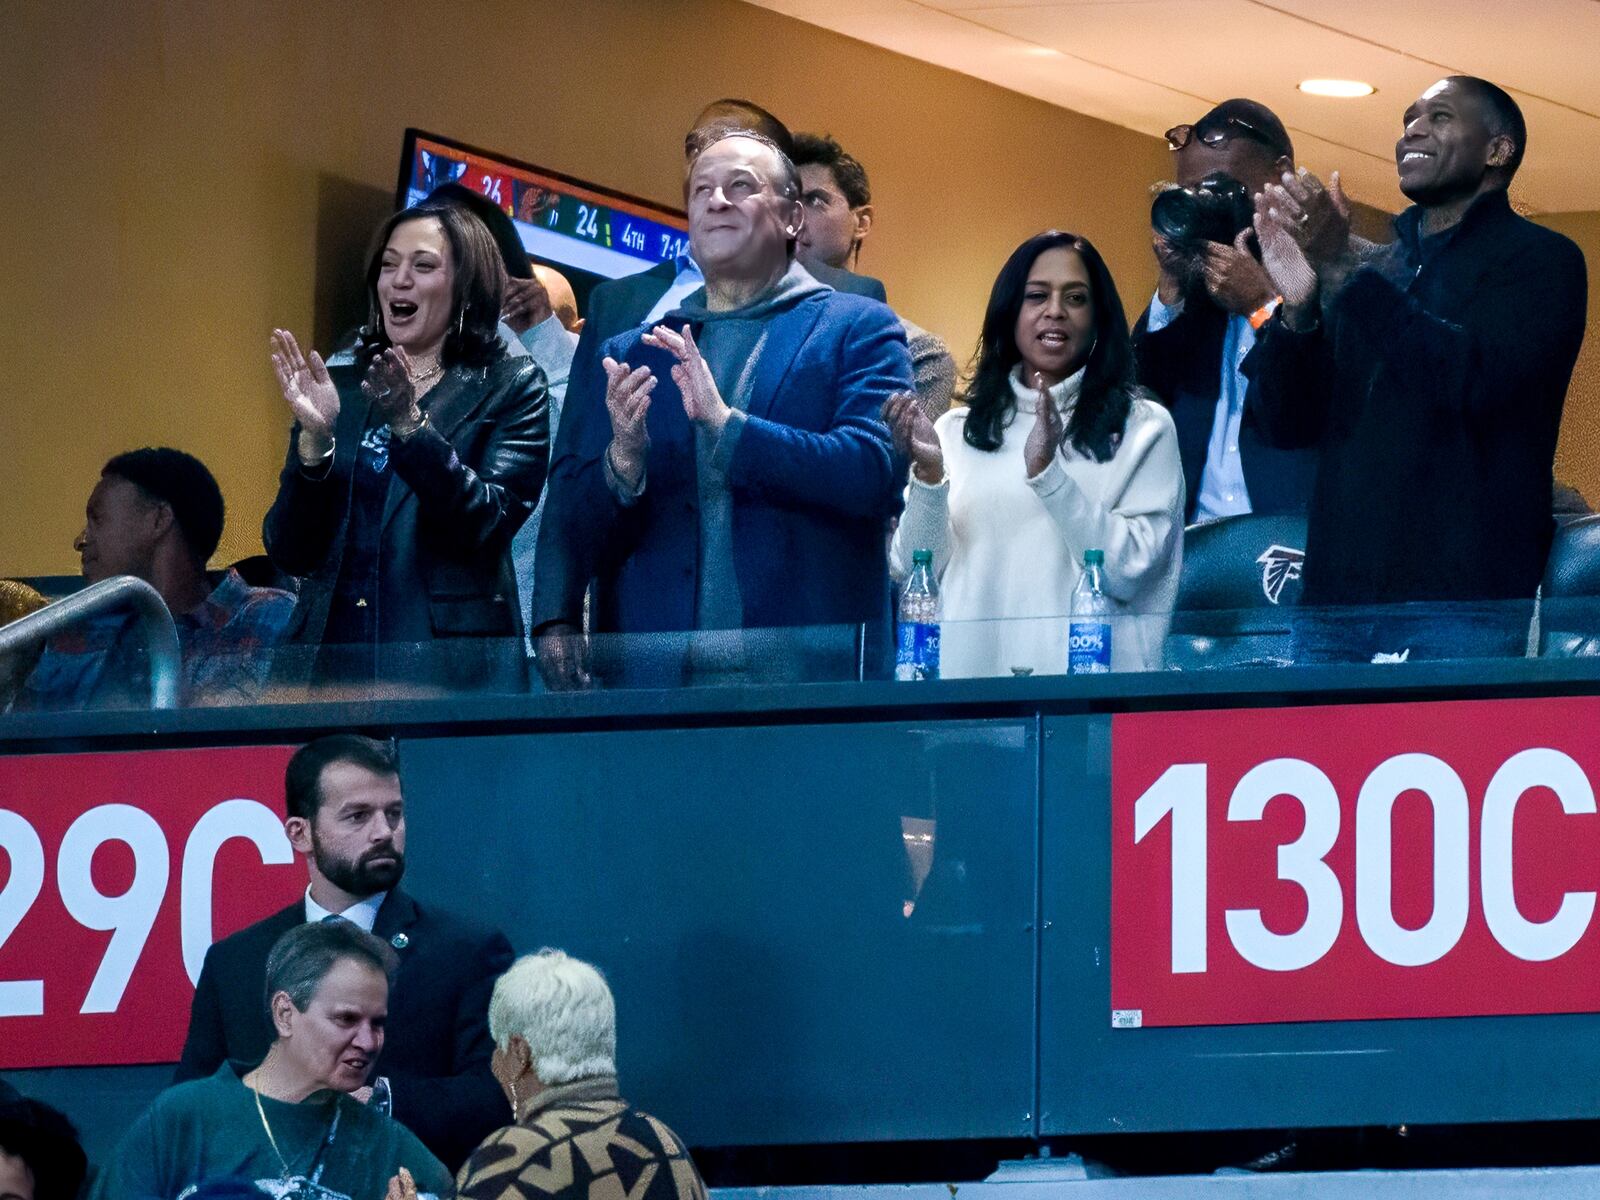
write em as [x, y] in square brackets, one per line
[554, 1026]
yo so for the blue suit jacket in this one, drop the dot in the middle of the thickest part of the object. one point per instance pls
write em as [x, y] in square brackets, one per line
[813, 479]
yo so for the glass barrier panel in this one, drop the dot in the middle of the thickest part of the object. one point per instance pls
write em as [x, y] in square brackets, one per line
[78, 673]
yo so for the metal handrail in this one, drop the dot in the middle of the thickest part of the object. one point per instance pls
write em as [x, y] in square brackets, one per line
[160, 632]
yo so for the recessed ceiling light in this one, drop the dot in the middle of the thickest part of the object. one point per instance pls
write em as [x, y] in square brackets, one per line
[1344, 89]
[1042, 51]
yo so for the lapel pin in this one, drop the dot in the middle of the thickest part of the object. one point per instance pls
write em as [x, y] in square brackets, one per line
[400, 941]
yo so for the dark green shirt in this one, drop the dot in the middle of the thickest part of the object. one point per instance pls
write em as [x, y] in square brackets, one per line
[209, 1129]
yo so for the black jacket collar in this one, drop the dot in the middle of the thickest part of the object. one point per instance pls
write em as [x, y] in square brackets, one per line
[1487, 209]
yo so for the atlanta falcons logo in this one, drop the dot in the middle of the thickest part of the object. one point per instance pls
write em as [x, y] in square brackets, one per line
[1279, 564]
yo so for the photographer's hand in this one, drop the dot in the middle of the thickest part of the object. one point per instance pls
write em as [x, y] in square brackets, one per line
[1171, 261]
[1236, 280]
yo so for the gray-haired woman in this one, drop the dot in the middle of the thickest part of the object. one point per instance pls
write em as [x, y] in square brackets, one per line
[554, 1026]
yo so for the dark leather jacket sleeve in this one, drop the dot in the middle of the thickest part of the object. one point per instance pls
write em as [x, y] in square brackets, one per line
[300, 527]
[483, 506]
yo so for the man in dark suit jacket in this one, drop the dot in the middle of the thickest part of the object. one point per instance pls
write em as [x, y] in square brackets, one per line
[346, 815]
[1431, 375]
[1192, 341]
[752, 490]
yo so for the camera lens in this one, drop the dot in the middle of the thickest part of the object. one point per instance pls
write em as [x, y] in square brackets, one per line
[1175, 215]
[1215, 210]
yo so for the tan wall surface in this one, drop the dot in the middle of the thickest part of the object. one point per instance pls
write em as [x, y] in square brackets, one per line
[186, 174]
[1578, 453]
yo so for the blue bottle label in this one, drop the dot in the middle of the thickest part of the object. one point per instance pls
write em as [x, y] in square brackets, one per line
[917, 653]
[1088, 647]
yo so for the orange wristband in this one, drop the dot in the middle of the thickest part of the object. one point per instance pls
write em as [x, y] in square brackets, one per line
[1264, 314]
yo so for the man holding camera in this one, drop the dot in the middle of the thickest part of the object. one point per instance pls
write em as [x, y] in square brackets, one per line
[1213, 295]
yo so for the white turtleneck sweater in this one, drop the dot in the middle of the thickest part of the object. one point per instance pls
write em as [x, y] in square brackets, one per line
[1008, 550]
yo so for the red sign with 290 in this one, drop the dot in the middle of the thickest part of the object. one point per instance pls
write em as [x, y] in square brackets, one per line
[115, 872]
[1355, 862]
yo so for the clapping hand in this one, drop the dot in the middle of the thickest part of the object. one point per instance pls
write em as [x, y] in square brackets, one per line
[1284, 261]
[701, 400]
[388, 385]
[628, 401]
[914, 436]
[309, 392]
[402, 1187]
[1317, 217]
[1047, 434]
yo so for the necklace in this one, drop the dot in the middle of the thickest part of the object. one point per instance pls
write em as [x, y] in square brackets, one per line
[283, 1163]
[255, 1089]
[426, 369]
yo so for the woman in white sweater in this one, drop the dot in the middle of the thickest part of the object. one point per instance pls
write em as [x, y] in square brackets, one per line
[1054, 451]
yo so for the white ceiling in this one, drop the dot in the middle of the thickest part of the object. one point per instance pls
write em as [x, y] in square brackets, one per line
[1149, 64]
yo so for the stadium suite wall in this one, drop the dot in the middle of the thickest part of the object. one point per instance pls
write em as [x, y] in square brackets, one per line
[189, 175]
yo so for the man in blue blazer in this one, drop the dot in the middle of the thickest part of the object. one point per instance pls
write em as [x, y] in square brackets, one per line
[727, 468]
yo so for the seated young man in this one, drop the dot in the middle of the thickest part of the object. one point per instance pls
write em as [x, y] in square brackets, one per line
[157, 514]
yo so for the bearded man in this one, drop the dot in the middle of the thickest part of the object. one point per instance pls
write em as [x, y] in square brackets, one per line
[346, 817]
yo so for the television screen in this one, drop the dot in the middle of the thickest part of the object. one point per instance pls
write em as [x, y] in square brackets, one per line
[585, 231]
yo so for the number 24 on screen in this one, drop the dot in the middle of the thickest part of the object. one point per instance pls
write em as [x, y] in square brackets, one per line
[1180, 793]
[130, 916]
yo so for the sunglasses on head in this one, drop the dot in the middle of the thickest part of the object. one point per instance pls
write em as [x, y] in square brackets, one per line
[1224, 130]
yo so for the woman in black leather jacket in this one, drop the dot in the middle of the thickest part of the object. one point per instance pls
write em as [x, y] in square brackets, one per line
[408, 474]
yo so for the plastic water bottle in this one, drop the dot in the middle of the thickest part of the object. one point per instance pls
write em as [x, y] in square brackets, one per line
[917, 652]
[1089, 630]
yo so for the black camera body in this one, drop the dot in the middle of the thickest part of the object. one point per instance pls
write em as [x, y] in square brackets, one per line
[1217, 209]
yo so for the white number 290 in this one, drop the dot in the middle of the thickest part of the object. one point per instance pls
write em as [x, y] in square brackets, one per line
[131, 915]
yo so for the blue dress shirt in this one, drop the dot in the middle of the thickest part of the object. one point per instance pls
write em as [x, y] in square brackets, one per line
[1222, 487]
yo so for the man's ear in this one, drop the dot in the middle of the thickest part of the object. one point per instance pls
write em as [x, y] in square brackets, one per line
[298, 830]
[1501, 150]
[863, 216]
[162, 519]
[796, 220]
[283, 1010]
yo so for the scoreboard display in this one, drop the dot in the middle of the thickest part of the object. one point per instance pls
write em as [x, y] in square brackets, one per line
[583, 230]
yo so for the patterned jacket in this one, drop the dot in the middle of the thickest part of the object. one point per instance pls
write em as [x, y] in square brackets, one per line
[581, 1141]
